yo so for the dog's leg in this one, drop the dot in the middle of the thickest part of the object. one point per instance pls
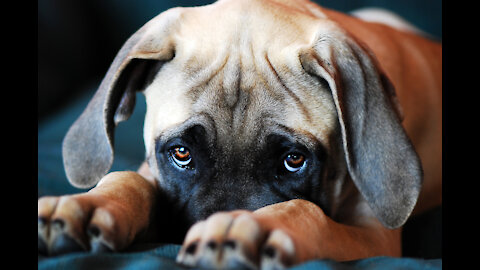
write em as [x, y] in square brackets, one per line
[108, 217]
[280, 235]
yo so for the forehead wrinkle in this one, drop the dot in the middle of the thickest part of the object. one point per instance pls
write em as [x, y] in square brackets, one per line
[197, 79]
[220, 93]
[227, 94]
[291, 93]
[240, 126]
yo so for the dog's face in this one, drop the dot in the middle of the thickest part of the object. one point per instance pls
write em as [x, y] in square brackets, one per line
[239, 139]
[249, 106]
[237, 124]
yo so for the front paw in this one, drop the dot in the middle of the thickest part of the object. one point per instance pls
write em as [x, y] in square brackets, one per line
[76, 223]
[107, 218]
[236, 240]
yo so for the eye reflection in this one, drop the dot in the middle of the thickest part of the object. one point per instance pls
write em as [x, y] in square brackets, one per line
[294, 162]
[181, 156]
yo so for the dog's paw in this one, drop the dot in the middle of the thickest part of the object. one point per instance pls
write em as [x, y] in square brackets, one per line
[106, 218]
[232, 240]
[76, 223]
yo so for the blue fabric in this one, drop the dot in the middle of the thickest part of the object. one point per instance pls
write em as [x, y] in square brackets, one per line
[163, 257]
[129, 154]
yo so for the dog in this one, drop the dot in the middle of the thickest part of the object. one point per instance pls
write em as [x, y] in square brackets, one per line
[276, 132]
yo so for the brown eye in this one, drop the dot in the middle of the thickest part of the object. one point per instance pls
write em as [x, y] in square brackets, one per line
[181, 156]
[294, 162]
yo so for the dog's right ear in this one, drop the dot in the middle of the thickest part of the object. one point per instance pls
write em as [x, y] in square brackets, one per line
[380, 157]
[88, 146]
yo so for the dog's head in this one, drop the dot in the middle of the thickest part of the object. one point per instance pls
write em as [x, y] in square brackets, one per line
[249, 106]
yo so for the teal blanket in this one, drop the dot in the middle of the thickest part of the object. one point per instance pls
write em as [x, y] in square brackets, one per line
[163, 257]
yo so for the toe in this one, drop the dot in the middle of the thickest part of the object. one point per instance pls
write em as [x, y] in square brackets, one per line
[101, 232]
[46, 208]
[61, 240]
[242, 242]
[66, 227]
[42, 236]
[234, 256]
[203, 244]
[189, 249]
[210, 251]
[278, 251]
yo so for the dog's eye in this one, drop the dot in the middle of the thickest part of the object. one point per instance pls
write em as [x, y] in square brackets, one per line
[181, 156]
[294, 162]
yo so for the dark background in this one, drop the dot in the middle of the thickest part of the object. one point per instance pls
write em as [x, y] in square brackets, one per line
[77, 41]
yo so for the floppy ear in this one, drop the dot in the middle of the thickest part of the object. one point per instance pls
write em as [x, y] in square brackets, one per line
[88, 145]
[380, 157]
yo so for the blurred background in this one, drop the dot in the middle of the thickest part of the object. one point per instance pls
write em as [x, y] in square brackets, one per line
[77, 41]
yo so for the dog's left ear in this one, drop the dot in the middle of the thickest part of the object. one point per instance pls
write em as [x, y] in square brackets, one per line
[381, 159]
[88, 146]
